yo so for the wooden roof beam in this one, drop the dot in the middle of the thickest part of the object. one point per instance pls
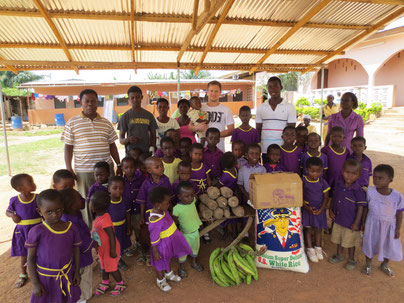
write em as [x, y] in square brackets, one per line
[214, 32]
[55, 31]
[389, 2]
[9, 67]
[132, 29]
[398, 13]
[306, 18]
[202, 20]
[195, 13]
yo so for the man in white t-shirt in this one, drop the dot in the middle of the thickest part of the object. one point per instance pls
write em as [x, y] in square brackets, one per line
[273, 116]
[219, 115]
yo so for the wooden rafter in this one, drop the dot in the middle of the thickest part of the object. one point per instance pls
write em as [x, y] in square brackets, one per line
[55, 31]
[390, 2]
[202, 20]
[306, 18]
[363, 35]
[214, 32]
[195, 14]
[132, 29]
[9, 67]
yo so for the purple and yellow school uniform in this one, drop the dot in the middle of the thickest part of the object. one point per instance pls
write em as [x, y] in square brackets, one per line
[241, 162]
[147, 186]
[335, 163]
[170, 242]
[245, 172]
[199, 178]
[30, 217]
[313, 196]
[366, 169]
[159, 153]
[97, 186]
[118, 210]
[131, 190]
[272, 168]
[54, 262]
[212, 161]
[249, 136]
[306, 155]
[228, 179]
[290, 159]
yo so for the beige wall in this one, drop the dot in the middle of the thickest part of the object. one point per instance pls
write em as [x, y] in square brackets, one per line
[392, 72]
[346, 72]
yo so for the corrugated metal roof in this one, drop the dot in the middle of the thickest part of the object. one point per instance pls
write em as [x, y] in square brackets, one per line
[97, 33]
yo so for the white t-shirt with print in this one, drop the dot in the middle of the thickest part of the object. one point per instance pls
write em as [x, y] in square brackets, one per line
[163, 127]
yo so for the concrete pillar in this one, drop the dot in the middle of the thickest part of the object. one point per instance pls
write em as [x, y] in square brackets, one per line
[371, 70]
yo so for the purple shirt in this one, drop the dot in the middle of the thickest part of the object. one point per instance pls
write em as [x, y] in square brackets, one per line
[273, 167]
[25, 210]
[199, 178]
[246, 171]
[212, 161]
[335, 163]
[228, 179]
[353, 123]
[346, 202]
[147, 186]
[159, 153]
[87, 243]
[117, 210]
[366, 169]
[97, 186]
[241, 162]
[290, 159]
[131, 191]
[250, 136]
[313, 192]
[306, 155]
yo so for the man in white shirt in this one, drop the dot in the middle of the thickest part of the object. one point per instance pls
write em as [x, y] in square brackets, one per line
[219, 115]
[273, 116]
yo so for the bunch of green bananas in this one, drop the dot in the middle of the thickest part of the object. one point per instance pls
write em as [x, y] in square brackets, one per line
[233, 267]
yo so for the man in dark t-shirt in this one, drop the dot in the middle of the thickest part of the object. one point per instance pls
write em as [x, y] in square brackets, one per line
[137, 126]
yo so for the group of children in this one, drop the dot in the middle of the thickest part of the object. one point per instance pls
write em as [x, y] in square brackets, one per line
[155, 203]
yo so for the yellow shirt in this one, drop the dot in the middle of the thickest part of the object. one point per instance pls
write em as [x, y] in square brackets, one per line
[311, 129]
[328, 111]
[170, 170]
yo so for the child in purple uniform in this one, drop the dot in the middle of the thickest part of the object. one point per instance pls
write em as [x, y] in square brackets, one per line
[229, 175]
[358, 145]
[200, 175]
[346, 210]
[185, 146]
[72, 205]
[23, 211]
[336, 155]
[383, 222]
[245, 132]
[175, 135]
[274, 156]
[101, 175]
[315, 200]
[238, 149]
[313, 145]
[166, 240]
[302, 134]
[290, 153]
[63, 178]
[184, 174]
[212, 155]
[54, 253]
[119, 210]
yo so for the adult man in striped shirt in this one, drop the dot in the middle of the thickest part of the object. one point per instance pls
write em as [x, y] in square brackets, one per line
[90, 138]
[273, 116]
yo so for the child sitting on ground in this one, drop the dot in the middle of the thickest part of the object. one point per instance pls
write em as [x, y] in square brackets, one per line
[229, 175]
[185, 146]
[186, 217]
[119, 210]
[166, 240]
[238, 149]
[22, 209]
[72, 205]
[197, 116]
[290, 153]
[383, 222]
[301, 137]
[212, 154]
[200, 175]
[108, 245]
[315, 201]
[245, 132]
[346, 210]
[163, 121]
[54, 253]
[170, 162]
[274, 157]
[336, 155]
[313, 144]
[358, 145]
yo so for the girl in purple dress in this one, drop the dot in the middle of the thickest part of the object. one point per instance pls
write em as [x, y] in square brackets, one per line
[200, 172]
[315, 200]
[313, 144]
[290, 153]
[274, 156]
[229, 175]
[54, 253]
[336, 154]
[119, 210]
[23, 211]
[383, 222]
[166, 240]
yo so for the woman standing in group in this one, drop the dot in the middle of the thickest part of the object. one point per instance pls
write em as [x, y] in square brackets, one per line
[183, 120]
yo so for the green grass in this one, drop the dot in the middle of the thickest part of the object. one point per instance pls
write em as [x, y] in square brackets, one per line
[32, 133]
[39, 157]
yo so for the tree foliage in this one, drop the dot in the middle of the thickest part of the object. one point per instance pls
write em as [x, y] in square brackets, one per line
[9, 79]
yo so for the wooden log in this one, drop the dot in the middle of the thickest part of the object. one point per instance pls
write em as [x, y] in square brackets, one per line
[213, 192]
[221, 201]
[218, 213]
[233, 201]
[226, 192]
[238, 211]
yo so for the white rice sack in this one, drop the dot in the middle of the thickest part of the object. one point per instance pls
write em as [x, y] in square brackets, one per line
[281, 231]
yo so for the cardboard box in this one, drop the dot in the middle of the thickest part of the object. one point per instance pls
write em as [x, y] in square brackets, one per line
[276, 190]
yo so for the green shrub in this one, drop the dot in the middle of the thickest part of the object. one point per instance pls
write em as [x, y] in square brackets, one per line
[302, 101]
[312, 111]
[318, 101]
[375, 108]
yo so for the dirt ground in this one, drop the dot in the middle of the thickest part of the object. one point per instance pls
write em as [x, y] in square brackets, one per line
[324, 283]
